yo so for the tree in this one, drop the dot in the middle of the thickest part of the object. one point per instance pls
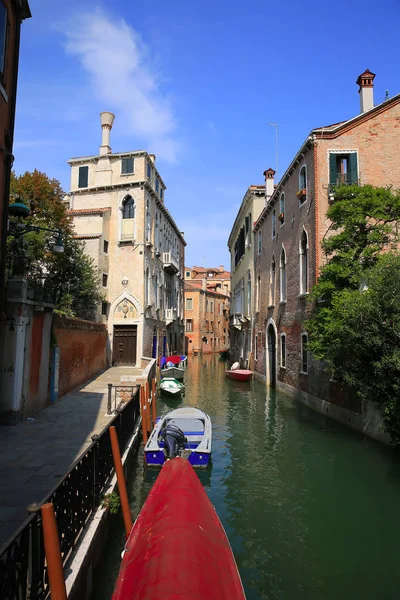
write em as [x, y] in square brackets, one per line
[70, 275]
[355, 324]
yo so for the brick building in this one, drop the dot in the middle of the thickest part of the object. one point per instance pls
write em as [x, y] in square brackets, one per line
[118, 210]
[12, 13]
[207, 300]
[290, 229]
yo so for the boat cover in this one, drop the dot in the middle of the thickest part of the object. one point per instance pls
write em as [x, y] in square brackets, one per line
[177, 547]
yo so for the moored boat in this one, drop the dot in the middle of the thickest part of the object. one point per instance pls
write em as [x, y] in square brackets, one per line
[185, 431]
[239, 374]
[171, 386]
[175, 372]
[177, 547]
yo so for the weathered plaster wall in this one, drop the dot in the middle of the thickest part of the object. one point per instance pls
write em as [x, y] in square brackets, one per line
[82, 351]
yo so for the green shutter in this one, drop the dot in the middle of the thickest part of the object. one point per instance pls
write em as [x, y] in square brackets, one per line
[83, 177]
[353, 171]
[332, 169]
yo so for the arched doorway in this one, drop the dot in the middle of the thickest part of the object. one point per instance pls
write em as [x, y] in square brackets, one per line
[271, 354]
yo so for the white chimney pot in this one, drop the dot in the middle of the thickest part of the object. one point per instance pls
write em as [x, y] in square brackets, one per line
[106, 120]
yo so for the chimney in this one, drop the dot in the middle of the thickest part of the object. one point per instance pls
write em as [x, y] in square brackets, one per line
[204, 284]
[221, 268]
[107, 120]
[269, 183]
[152, 158]
[366, 90]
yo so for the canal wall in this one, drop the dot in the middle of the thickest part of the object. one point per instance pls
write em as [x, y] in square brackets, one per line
[83, 347]
[367, 421]
[82, 565]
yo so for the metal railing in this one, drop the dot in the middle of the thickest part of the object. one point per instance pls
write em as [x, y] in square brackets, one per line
[121, 394]
[170, 314]
[23, 573]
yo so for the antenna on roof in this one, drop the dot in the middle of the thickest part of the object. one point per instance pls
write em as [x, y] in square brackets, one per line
[276, 147]
[387, 95]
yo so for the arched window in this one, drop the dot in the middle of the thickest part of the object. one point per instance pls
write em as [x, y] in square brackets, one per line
[273, 224]
[281, 215]
[128, 208]
[249, 294]
[148, 222]
[147, 288]
[304, 285]
[272, 282]
[283, 275]
[156, 291]
[302, 193]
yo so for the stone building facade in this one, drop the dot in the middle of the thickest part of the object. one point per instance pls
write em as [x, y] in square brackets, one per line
[289, 232]
[206, 310]
[118, 210]
[241, 248]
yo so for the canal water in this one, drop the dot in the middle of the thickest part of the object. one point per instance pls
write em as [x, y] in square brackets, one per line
[311, 508]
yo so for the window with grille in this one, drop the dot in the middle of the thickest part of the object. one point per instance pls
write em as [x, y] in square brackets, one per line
[283, 350]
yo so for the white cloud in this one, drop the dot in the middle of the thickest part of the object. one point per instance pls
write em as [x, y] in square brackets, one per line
[124, 79]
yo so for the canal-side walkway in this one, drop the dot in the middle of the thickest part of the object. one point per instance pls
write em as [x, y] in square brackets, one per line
[35, 454]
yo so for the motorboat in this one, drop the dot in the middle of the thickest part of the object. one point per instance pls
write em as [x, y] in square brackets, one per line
[185, 432]
[173, 366]
[239, 374]
[177, 547]
[171, 386]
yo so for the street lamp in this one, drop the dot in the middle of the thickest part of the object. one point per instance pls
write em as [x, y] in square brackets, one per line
[21, 211]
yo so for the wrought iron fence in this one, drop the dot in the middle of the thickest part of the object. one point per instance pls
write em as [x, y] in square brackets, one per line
[23, 574]
[120, 394]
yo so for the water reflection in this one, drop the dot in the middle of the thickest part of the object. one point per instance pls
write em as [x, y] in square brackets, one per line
[310, 507]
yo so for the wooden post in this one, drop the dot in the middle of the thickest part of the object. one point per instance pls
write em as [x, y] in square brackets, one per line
[148, 407]
[53, 553]
[153, 399]
[121, 481]
[143, 413]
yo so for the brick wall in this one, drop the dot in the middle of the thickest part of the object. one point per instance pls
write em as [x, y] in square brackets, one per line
[82, 351]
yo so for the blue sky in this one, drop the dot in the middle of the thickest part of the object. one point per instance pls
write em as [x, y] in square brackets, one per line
[196, 83]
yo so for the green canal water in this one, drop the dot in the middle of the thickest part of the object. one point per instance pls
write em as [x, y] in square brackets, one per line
[311, 509]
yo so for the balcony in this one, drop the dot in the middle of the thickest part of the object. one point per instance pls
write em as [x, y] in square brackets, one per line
[170, 315]
[170, 263]
[340, 181]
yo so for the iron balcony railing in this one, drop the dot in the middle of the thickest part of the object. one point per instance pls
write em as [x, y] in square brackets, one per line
[23, 572]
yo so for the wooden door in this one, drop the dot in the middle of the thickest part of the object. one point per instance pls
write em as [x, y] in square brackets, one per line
[124, 344]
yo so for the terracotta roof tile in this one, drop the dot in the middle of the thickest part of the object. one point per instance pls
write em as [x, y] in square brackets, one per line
[88, 211]
[87, 236]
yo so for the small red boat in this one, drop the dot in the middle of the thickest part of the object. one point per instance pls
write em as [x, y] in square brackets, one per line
[177, 547]
[239, 374]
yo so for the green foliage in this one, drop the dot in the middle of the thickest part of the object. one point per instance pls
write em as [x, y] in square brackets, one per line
[71, 274]
[111, 502]
[355, 325]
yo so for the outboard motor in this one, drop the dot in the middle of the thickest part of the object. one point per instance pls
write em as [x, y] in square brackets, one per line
[174, 440]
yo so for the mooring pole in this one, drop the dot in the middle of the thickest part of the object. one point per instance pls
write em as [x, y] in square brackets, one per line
[148, 407]
[153, 400]
[109, 398]
[53, 553]
[121, 481]
[143, 413]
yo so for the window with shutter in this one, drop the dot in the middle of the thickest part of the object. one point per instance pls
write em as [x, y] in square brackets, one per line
[127, 166]
[343, 168]
[83, 177]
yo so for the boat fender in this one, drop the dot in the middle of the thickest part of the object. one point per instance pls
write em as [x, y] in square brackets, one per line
[235, 366]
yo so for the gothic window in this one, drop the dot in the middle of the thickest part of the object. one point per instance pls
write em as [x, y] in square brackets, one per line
[128, 208]
[283, 275]
[304, 279]
[302, 193]
[272, 282]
